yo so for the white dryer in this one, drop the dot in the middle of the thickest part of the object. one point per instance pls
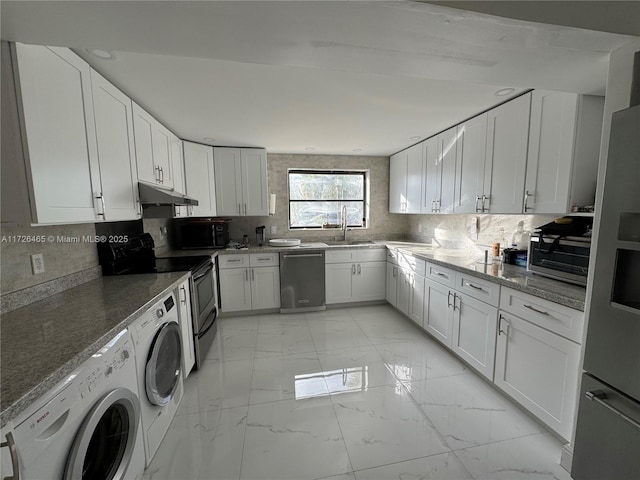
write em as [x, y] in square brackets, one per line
[158, 347]
[87, 426]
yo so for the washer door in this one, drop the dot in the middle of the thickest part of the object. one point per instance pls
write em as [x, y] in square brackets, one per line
[164, 362]
[104, 444]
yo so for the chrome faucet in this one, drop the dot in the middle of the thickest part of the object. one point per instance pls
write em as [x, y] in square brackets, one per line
[344, 223]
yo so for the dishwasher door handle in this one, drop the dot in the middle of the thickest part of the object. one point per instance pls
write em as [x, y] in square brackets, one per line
[293, 255]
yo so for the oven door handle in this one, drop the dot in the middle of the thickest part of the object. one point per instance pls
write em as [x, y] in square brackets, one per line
[206, 272]
[209, 323]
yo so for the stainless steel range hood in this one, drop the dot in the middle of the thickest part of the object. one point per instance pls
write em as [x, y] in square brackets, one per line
[152, 195]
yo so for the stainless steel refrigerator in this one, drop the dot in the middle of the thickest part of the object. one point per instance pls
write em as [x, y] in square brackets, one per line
[607, 443]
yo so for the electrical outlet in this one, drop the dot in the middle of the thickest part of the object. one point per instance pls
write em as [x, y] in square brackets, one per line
[163, 231]
[419, 228]
[37, 263]
[274, 229]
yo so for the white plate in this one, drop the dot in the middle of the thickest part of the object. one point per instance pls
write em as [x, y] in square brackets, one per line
[284, 242]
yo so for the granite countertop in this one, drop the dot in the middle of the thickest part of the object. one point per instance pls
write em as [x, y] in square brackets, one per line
[513, 276]
[45, 341]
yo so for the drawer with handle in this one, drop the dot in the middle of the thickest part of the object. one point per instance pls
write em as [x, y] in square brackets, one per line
[264, 259]
[233, 261]
[478, 288]
[440, 274]
[556, 318]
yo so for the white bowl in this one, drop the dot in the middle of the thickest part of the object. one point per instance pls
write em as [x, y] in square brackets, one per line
[284, 242]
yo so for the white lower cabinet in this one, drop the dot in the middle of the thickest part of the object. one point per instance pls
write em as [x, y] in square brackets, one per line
[355, 282]
[474, 333]
[183, 294]
[539, 369]
[438, 311]
[265, 287]
[353, 275]
[392, 284]
[255, 286]
[416, 299]
[235, 290]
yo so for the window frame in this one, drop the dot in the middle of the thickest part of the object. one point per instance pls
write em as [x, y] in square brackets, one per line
[331, 171]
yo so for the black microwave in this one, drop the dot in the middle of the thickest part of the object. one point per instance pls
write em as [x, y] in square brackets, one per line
[201, 234]
[560, 257]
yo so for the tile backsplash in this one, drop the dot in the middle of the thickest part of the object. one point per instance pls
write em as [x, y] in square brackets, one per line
[64, 252]
[382, 224]
[457, 228]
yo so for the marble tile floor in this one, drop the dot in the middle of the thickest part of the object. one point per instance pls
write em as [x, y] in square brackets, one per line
[347, 394]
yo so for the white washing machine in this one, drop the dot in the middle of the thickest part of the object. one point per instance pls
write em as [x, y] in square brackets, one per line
[88, 426]
[158, 347]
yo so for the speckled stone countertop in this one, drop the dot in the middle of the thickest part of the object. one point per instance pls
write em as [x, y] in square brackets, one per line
[512, 276]
[46, 340]
[269, 249]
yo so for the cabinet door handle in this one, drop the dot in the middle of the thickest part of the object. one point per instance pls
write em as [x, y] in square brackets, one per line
[245, 208]
[138, 207]
[478, 210]
[253, 275]
[239, 209]
[456, 297]
[394, 272]
[433, 208]
[599, 396]
[359, 269]
[161, 175]
[13, 451]
[449, 299]
[157, 175]
[541, 312]
[500, 331]
[233, 260]
[101, 198]
[440, 274]
[184, 291]
[246, 274]
[473, 286]
[484, 199]
[439, 205]
[526, 201]
[353, 269]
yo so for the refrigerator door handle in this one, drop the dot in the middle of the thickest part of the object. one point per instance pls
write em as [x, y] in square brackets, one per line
[600, 396]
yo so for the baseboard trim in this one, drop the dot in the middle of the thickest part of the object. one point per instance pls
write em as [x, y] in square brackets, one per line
[566, 459]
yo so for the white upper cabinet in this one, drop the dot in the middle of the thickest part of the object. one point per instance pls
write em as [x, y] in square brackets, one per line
[241, 181]
[470, 165]
[58, 134]
[162, 153]
[564, 148]
[199, 178]
[439, 172]
[405, 180]
[228, 168]
[507, 137]
[398, 182]
[153, 149]
[254, 181]
[143, 131]
[116, 154]
[177, 165]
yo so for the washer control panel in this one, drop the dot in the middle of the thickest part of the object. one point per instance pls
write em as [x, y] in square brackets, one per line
[104, 363]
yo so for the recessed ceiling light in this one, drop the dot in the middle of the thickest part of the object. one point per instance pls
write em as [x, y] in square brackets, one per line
[505, 91]
[357, 150]
[102, 54]
[209, 139]
[415, 138]
[309, 149]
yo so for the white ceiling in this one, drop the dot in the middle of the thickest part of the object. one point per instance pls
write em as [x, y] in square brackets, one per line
[335, 76]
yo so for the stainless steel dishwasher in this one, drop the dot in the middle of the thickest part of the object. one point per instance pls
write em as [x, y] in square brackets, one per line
[302, 281]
